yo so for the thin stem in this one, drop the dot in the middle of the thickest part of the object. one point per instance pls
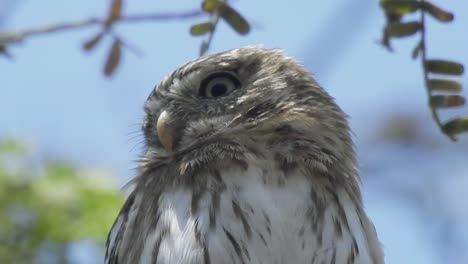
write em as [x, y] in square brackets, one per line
[214, 21]
[12, 37]
[435, 115]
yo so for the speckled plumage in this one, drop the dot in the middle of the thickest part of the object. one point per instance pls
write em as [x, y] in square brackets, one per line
[263, 174]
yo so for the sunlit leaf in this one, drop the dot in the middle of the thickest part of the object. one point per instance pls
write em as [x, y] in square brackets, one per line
[230, 15]
[91, 43]
[113, 58]
[210, 5]
[438, 13]
[456, 126]
[400, 7]
[444, 85]
[444, 67]
[201, 28]
[59, 205]
[445, 101]
[402, 29]
[234, 19]
[11, 146]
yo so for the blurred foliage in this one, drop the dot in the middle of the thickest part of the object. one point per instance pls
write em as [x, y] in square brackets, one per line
[441, 88]
[53, 204]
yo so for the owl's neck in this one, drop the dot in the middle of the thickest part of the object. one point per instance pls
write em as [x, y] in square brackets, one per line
[287, 154]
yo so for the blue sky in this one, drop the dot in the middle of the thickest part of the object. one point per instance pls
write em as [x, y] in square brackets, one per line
[54, 97]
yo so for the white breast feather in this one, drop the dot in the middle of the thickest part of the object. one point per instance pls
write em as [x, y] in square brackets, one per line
[284, 205]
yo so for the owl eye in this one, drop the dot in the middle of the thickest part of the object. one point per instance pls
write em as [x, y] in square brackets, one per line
[218, 84]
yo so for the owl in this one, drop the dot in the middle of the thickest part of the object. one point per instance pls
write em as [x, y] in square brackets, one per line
[247, 160]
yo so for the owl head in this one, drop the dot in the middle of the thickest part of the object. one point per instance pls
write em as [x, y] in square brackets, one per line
[251, 96]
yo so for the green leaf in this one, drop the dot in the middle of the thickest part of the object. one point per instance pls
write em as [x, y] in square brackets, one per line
[234, 19]
[201, 28]
[231, 16]
[400, 7]
[444, 67]
[402, 29]
[445, 101]
[438, 13]
[456, 126]
[444, 85]
[210, 5]
[11, 146]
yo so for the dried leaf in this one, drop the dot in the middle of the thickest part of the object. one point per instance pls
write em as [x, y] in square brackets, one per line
[400, 7]
[444, 85]
[402, 29]
[444, 67]
[115, 10]
[201, 28]
[438, 13]
[456, 126]
[113, 58]
[91, 43]
[445, 101]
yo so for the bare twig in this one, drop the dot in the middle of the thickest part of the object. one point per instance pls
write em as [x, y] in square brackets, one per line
[13, 37]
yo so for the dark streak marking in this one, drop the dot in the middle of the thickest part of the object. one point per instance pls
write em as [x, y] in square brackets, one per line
[338, 230]
[214, 208]
[197, 231]
[333, 259]
[262, 238]
[240, 214]
[235, 245]
[113, 255]
[351, 257]
[206, 254]
[246, 252]
[355, 246]
[196, 196]
[342, 213]
[267, 218]
[217, 175]
[313, 259]
[301, 231]
[320, 238]
[157, 245]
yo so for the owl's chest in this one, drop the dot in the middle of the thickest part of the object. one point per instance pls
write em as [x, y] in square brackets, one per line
[251, 218]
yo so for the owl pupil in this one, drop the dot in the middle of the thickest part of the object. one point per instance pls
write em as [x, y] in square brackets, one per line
[218, 89]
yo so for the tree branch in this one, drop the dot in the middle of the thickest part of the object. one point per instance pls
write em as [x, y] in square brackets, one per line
[435, 115]
[14, 37]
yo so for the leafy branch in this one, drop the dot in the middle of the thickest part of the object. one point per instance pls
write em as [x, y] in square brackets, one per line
[441, 91]
[215, 8]
[218, 9]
